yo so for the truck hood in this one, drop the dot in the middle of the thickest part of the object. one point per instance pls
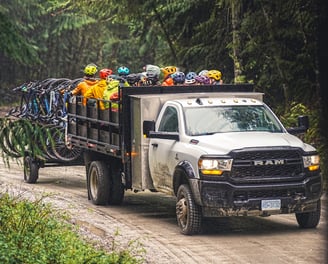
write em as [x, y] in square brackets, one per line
[223, 143]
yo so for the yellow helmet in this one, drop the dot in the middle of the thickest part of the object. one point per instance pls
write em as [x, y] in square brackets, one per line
[90, 69]
[168, 70]
[214, 74]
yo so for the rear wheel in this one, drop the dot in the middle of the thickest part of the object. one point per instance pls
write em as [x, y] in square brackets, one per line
[189, 215]
[116, 195]
[31, 170]
[98, 183]
[309, 219]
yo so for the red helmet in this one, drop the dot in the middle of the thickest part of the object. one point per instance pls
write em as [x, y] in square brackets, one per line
[104, 73]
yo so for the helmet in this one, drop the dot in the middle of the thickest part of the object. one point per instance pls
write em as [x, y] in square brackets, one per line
[202, 79]
[190, 77]
[123, 70]
[103, 73]
[168, 82]
[214, 74]
[203, 73]
[178, 77]
[169, 70]
[142, 77]
[133, 78]
[90, 69]
[152, 70]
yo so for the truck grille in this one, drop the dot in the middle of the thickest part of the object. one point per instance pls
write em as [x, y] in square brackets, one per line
[258, 164]
[277, 193]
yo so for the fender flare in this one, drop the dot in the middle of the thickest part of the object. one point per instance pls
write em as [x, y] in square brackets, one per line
[184, 173]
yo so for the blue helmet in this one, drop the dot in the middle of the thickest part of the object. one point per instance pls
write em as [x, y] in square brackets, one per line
[190, 77]
[123, 70]
[178, 77]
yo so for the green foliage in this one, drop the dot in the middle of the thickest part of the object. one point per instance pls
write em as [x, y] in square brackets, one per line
[281, 62]
[33, 232]
[20, 136]
[15, 45]
[312, 136]
[289, 119]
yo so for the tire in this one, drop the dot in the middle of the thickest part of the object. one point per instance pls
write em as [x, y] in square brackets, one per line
[116, 195]
[45, 139]
[309, 219]
[98, 183]
[31, 170]
[189, 214]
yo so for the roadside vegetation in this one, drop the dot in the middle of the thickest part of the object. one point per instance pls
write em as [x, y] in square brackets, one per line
[33, 232]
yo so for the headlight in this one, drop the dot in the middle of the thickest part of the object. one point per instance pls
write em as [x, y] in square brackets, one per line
[214, 166]
[311, 162]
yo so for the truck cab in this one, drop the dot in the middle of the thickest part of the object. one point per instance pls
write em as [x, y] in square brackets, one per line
[232, 157]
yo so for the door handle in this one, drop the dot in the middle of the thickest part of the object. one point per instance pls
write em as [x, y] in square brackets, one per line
[155, 145]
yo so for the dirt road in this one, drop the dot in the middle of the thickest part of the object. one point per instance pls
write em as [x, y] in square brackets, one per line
[149, 218]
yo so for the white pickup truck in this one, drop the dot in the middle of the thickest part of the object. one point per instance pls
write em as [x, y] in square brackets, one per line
[219, 149]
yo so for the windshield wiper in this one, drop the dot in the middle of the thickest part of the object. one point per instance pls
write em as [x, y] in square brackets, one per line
[205, 134]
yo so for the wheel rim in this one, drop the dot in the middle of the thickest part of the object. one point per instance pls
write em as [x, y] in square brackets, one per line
[94, 184]
[182, 211]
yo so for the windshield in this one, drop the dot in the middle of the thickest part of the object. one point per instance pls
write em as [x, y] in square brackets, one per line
[223, 119]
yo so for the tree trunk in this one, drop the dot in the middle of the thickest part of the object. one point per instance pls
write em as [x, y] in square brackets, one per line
[236, 20]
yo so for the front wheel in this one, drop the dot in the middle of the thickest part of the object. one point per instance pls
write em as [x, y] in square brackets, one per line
[309, 219]
[189, 214]
[98, 183]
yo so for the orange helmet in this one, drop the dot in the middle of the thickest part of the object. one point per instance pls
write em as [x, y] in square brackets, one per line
[103, 73]
[168, 82]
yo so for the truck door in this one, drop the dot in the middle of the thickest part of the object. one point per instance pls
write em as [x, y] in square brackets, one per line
[161, 151]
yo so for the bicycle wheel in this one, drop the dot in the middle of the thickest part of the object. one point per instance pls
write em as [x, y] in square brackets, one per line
[33, 138]
[17, 137]
[46, 141]
[61, 150]
[5, 145]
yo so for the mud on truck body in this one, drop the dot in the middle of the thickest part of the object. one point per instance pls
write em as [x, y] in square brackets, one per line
[219, 149]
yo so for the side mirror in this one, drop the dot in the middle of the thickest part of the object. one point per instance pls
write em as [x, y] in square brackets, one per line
[165, 135]
[147, 127]
[303, 126]
[303, 121]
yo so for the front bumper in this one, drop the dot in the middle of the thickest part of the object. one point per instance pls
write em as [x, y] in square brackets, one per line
[227, 199]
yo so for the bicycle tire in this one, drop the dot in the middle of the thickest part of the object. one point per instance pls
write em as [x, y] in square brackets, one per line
[18, 137]
[5, 144]
[35, 135]
[47, 142]
[60, 149]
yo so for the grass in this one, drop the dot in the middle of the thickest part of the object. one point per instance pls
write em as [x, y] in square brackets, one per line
[33, 232]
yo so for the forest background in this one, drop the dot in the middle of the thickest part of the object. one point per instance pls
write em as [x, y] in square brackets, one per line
[280, 46]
